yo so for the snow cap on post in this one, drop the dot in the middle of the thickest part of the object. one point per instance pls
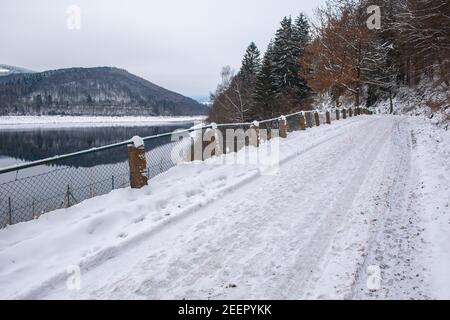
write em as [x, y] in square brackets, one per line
[255, 123]
[137, 141]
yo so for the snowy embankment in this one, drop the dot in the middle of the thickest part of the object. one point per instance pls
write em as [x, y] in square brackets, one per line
[426, 100]
[18, 122]
[363, 192]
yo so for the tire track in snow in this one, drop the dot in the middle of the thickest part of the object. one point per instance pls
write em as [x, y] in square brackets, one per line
[309, 258]
[393, 245]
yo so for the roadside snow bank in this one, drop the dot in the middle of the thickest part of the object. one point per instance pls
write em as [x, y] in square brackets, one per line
[425, 100]
[431, 151]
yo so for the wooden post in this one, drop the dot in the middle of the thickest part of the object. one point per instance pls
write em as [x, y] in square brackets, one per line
[255, 133]
[309, 121]
[282, 127]
[68, 196]
[344, 113]
[212, 146]
[137, 163]
[197, 145]
[350, 112]
[337, 114]
[328, 117]
[206, 133]
[316, 118]
[302, 121]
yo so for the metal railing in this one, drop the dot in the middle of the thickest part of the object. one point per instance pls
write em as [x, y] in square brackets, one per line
[31, 189]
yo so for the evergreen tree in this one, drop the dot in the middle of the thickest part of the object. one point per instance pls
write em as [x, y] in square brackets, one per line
[264, 88]
[246, 78]
[300, 39]
[300, 34]
[250, 63]
[284, 59]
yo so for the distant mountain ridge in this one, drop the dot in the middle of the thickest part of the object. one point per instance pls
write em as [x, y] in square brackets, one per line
[6, 70]
[90, 91]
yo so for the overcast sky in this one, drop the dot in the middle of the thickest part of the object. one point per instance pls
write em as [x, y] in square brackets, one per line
[178, 44]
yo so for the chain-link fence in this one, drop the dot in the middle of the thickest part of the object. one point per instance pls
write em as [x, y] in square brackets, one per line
[29, 190]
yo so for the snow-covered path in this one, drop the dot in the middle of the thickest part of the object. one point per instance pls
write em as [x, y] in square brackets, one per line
[345, 198]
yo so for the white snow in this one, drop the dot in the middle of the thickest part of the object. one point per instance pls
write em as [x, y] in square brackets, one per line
[3, 70]
[20, 122]
[366, 193]
[137, 141]
[424, 100]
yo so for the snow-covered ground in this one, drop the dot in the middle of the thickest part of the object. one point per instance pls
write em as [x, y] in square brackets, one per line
[367, 193]
[425, 100]
[19, 122]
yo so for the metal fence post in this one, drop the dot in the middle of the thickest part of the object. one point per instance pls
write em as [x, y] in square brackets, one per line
[337, 114]
[137, 163]
[32, 209]
[328, 117]
[9, 211]
[112, 182]
[68, 196]
[344, 113]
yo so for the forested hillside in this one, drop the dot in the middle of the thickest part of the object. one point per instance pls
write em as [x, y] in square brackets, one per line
[90, 91]
[355, 52]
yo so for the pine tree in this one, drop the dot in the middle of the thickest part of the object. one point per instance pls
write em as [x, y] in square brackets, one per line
[250, 63]
[264, 88]
[284, 59]
[300, 34]
[300, 39]
[234, 98]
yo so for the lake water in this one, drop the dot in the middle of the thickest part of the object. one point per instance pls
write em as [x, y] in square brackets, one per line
[28, 193]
